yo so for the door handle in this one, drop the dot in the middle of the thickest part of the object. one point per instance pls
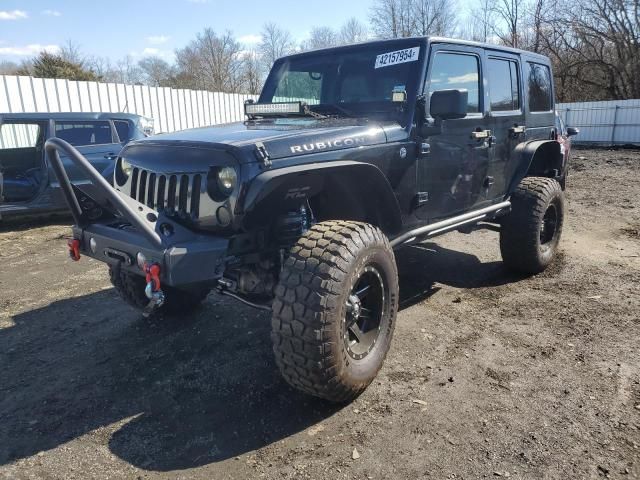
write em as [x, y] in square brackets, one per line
[516, 130]
[480, 134]
[488, 182]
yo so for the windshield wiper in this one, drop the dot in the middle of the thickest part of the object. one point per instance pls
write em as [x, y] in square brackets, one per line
[337, 109]
[311, 113]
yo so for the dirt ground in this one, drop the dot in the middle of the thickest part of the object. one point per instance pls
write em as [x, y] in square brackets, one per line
[489, 375]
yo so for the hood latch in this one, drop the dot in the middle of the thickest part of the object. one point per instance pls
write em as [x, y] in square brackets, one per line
[262, 155]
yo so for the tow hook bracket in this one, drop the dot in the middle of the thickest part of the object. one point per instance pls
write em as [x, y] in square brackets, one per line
[153, 289]
[74, 248]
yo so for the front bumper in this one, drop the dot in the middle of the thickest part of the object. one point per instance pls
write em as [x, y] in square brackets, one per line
[196, 260]
[129, 230]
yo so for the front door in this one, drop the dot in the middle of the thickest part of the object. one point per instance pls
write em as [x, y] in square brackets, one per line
[21, 161]
[453, 168]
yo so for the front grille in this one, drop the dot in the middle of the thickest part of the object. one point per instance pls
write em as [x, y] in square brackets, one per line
[173, 193]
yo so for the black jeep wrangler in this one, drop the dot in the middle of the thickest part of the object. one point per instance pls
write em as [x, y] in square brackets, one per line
[349, 154]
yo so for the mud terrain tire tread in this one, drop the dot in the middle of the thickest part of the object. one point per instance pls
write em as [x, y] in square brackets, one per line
[305, 305]
[520, 229]
[131, 289]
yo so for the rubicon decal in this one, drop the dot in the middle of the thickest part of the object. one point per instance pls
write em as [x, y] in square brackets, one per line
[328, 145]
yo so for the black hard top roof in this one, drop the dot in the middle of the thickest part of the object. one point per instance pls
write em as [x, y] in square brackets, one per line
[424, 40]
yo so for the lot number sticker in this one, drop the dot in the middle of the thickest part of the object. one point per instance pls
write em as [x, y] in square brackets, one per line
[399, 56]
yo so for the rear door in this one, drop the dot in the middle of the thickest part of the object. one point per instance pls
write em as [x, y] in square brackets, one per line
[451, 174]
[539, 106]
[504, 81]
[95, 139]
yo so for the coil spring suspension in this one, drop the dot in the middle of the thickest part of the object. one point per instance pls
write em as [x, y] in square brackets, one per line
[292, 225]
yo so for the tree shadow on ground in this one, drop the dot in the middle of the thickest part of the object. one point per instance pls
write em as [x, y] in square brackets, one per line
[173, 393]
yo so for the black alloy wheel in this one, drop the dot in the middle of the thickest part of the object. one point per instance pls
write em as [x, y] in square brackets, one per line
[364, 313]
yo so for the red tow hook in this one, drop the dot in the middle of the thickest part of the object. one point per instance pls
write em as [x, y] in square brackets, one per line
[153, 276]
[153, 290]
[74, 248]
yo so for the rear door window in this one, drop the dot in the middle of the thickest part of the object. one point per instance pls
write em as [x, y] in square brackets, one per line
[81, 134]
[503, 84]
[540, 94]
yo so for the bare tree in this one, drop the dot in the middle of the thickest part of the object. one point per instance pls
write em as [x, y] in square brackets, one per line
[509, 15]
[601, 48]
[125, 70]
[321, 37]
[72, 52]
[480, 23]
[211, 62]
[434, 17]
[276, 42]
[353, 31]
[392, 18]
[252, 72]
[188, 67]
[101, 66]
[406, 18]
[157, 72]
[537, 24]
[8, 68]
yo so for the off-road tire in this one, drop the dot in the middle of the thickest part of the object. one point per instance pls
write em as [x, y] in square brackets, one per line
[131, 288]
[309, 332]
[523, 244]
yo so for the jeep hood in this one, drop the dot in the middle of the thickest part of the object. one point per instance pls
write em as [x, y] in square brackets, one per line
[281, 138]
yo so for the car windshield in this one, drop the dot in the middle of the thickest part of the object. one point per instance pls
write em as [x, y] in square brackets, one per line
[348, 81]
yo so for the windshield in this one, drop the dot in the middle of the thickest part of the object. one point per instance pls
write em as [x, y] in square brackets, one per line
[353, 80]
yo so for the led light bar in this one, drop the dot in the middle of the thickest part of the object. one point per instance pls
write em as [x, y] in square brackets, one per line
[252, 109]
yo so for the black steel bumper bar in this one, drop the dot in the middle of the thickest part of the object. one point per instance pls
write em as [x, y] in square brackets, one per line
[107, 191]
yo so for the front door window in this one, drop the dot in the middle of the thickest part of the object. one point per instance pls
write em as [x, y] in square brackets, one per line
[454, 71]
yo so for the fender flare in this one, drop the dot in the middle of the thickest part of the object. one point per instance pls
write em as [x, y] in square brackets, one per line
[283, 189]
[537, 157]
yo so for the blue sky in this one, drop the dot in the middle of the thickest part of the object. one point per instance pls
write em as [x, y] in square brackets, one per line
[116, 28]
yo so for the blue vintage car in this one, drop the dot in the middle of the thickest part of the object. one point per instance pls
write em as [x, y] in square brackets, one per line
[27, 183]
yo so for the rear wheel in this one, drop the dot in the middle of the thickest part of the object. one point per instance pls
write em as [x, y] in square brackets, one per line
[530, 233]
[335, 308]
[177, 301]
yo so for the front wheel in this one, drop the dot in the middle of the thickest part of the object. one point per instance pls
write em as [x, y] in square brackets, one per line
[530, 233]
[335, 308]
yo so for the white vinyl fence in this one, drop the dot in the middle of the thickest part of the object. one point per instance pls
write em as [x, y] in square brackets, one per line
[171, 109]
[603, 123]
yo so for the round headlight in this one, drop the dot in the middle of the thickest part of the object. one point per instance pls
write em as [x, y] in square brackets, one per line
[227, 179]
[126, 167]
[122, 171]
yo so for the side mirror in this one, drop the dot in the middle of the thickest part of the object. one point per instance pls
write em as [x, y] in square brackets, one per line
[448, 104]
[571, 131]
